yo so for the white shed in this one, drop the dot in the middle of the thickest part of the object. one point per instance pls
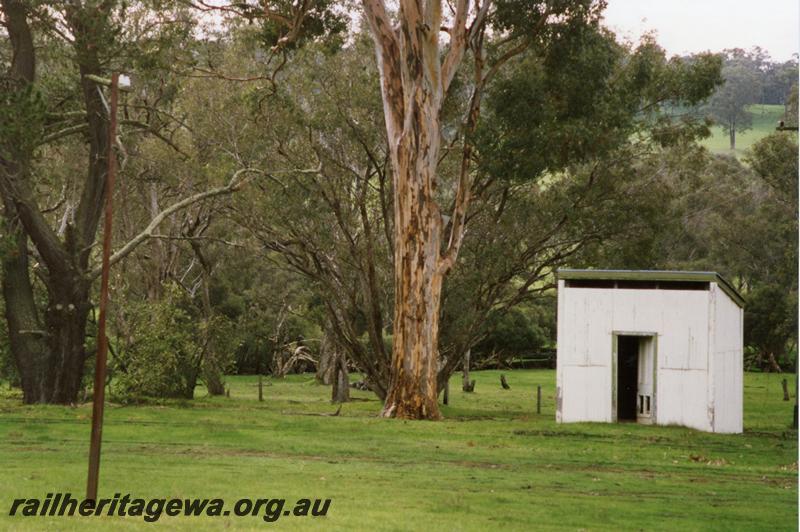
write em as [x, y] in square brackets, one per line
[658, 347]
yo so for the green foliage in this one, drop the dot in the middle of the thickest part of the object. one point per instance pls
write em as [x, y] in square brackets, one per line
[322, 22]
[22, 116]
[520, 17]
[584, 97]
[540, 114]
[222, 340]
[163, 358]
[515, 332]
[771, 323]
[774, 160]
[258, 344]
[771, 312]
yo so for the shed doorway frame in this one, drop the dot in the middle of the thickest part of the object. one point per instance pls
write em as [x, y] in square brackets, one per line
[653, 346]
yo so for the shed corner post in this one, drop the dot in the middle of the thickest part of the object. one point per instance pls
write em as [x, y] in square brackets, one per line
[711, 351]
[559, 335]
[614, 359]
[654, 411]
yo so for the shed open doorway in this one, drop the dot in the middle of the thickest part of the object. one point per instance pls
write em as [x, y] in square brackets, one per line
[634, 398]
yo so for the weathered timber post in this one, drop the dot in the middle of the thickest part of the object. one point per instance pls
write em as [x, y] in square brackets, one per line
[538, 399]
[796, 381]
[99, 389]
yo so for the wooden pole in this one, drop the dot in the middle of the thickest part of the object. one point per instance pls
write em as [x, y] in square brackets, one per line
[538, 399]
[785, 385]
[796, 381]
[260, 388]
[98, 399]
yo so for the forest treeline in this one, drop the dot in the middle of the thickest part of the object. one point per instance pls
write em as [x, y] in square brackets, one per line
[254, 208]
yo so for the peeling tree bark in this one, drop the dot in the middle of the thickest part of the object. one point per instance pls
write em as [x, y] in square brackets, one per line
[414, 80]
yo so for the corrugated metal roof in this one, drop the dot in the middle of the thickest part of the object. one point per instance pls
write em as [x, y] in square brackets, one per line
[654, 275]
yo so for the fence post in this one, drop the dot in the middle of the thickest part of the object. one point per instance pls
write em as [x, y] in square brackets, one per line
[539, 399]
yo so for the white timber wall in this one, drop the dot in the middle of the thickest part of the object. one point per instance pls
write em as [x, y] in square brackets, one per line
[695, 357]
[727, 363]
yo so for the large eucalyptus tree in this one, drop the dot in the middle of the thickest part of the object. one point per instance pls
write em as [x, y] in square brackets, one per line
[419, 53]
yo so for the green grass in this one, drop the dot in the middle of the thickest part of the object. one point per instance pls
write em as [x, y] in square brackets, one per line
[492, 463]
[765, 120]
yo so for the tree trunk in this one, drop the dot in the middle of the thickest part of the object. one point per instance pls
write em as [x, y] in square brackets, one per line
[732, 136]
[50, 359]
[465, 372]
[26, 335]
[418, 279]
[65, 319]
[327, 359]
[415, 76]
[212, 372]
[341, 380]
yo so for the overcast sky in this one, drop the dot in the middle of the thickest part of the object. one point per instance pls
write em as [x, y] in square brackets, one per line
[711, 25]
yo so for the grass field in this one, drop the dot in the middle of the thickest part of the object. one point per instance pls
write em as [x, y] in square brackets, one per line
[765, 120]
[493, 463]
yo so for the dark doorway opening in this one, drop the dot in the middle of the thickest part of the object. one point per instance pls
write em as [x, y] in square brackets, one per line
[627, 377]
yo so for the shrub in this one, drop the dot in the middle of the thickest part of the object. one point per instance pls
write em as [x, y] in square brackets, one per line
[163, 357]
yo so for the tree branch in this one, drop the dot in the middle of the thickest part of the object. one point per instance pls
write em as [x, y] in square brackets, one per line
[387, 49]
[236, 182]
[458, 44]
[66, 132]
